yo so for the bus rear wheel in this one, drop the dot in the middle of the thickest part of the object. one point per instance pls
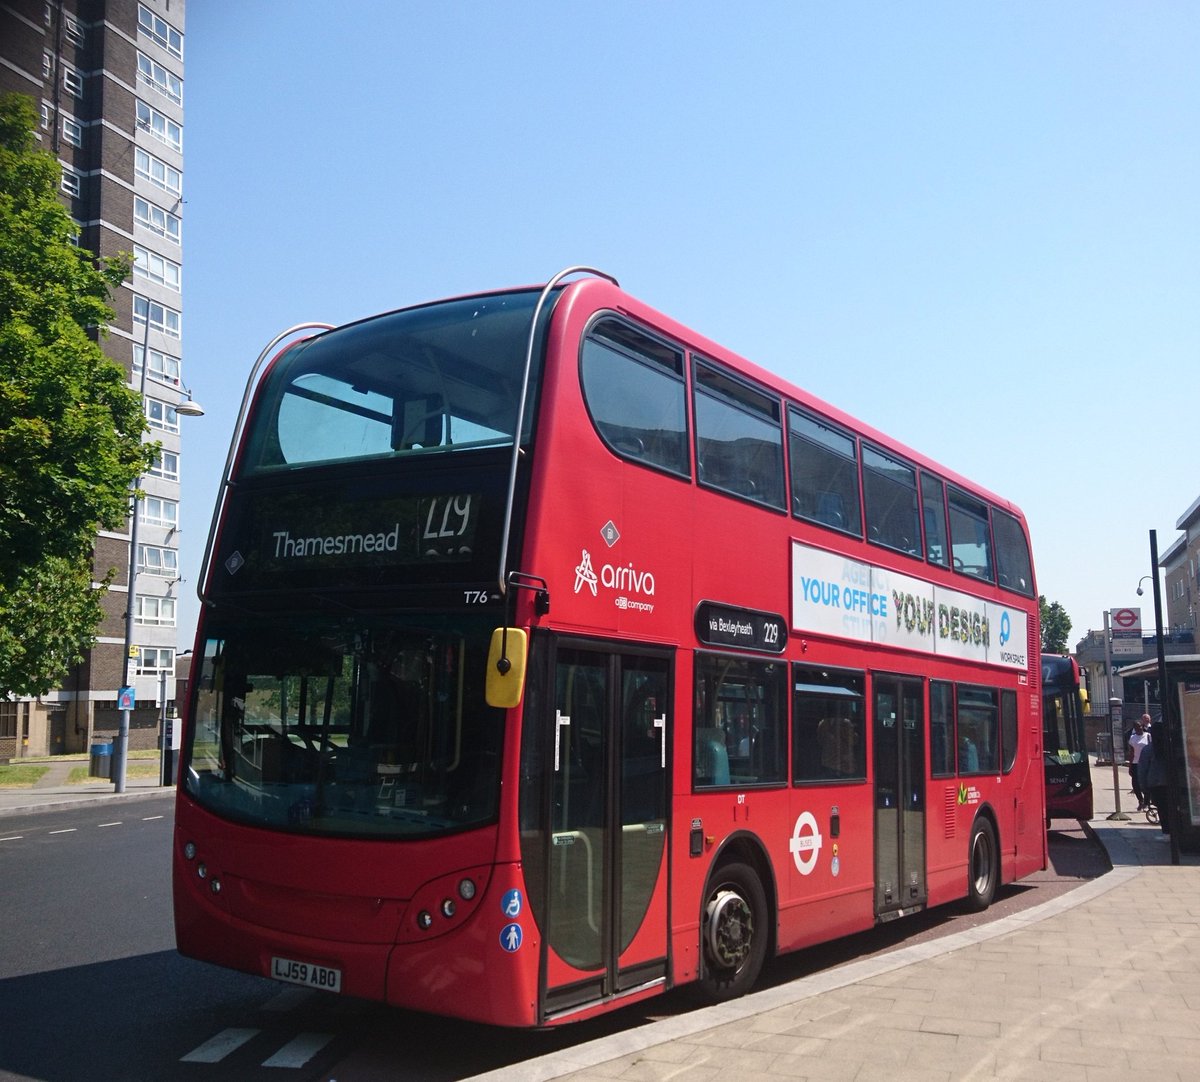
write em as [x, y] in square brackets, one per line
[983, 866]
[734, 933]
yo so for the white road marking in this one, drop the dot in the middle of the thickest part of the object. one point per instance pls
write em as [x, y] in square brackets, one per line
[65, 830]
[150, 818]
[217, 1048]
[12, 838]
[116, 824]
[298, 1051]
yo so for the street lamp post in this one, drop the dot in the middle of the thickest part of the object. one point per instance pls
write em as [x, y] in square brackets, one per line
[121, 750]
[1164, 701]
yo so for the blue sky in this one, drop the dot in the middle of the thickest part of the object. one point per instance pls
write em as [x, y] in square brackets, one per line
[974, 226]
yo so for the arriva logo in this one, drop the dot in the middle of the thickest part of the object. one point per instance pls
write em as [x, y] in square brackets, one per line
[627, 580]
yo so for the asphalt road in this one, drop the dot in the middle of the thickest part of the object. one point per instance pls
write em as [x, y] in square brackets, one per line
[91, 986]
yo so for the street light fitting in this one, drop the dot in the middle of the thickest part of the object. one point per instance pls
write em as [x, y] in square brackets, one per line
[1144, 578]
[188, 407]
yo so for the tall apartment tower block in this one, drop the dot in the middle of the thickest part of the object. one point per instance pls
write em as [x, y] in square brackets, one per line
[107, 76]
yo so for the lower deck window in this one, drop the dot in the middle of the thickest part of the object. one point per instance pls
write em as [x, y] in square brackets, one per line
[741, 722]
[830, 724]
[978, 731]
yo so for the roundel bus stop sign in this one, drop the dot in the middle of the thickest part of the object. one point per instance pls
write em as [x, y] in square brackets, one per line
[1126, 632]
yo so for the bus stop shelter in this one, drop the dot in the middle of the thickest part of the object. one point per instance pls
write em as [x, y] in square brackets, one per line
[1183, 697]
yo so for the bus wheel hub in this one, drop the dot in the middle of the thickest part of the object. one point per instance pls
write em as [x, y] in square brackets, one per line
[730, 929]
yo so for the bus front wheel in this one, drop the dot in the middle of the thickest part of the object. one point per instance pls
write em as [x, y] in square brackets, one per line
[734, 933]
[983, 868]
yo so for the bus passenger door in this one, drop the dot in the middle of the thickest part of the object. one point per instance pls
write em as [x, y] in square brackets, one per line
[899, 731]
[607, 881]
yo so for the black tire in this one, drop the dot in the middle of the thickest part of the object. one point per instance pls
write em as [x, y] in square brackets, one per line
[983, 866]
[733, 933]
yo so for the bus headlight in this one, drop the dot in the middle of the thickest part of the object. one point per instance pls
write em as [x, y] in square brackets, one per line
[466, 889]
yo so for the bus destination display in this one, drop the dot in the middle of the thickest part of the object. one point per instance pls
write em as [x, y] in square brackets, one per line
[721, 625]
[284, 534]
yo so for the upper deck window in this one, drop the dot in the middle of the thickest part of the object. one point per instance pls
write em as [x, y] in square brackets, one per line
[933, 503]
[970, 538]
[739, 443]
[1012, 553]
[634, 388]
[441, 378]
[824, 469]
[890, 491]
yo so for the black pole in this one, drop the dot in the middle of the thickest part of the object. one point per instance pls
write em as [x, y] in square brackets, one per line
[1165, 699]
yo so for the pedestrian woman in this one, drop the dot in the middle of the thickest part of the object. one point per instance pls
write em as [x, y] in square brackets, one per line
[1152, 773]
[1138, 739]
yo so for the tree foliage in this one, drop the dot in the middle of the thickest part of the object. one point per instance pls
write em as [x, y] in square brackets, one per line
[70, 427]
[1056, 627]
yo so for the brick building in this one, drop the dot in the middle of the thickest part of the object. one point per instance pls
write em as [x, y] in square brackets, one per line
[107, 76]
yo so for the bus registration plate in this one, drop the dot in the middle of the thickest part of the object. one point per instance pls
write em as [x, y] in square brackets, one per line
[307, 974]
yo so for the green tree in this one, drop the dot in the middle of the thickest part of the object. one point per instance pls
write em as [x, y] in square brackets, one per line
[70, 427]
[1056, 627]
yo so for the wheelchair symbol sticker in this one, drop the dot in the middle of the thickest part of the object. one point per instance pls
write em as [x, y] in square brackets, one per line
[510, 938]
[510, 904]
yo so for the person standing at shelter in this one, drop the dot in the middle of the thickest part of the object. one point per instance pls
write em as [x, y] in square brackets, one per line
[1138, 739]
[1153, 766]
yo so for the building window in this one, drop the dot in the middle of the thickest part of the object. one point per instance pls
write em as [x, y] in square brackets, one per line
[8, 720]
[157, 268]
[155, 218]
[159, 561]
[153, 660]
[73, 31]
[161, 32]
[155, 611]
[163, 319]
[72, 132]
[47, 65]
[161, 415]
[72, 182]
[157, 172]
[156, 76]
[163, 367]
[155, 511]
[166, 466]
[73, 82]
[163, 128]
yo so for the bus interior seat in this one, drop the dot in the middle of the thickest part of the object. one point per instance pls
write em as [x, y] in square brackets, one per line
[712, 758]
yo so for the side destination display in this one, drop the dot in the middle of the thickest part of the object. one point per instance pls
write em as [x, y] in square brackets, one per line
[746, 629]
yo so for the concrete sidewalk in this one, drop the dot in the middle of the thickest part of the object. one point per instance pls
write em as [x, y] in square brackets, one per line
[52, 792]
[1101, 984]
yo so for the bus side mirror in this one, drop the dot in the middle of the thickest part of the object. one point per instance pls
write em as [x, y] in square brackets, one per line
[506, 667]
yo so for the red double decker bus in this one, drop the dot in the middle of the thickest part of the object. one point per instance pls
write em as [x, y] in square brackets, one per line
[1068, 773]
[552, 656]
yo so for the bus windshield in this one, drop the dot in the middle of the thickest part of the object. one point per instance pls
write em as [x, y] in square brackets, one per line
[367, 727]
[432, 379]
